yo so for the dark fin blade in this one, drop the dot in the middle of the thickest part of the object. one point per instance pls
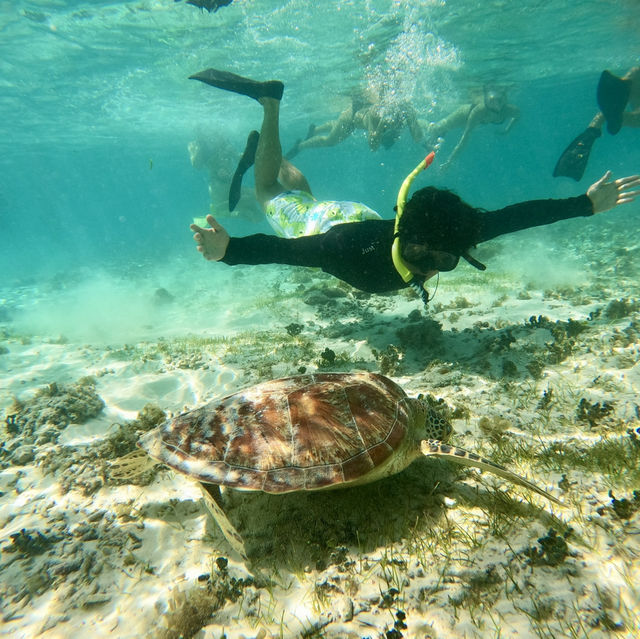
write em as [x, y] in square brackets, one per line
[613, 95]
[574, 158]
[245, 163]
[238, 84]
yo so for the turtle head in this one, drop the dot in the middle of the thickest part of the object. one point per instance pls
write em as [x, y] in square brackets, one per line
[430, 418]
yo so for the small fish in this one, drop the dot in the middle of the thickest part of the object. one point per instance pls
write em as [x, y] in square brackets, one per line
[150, 164]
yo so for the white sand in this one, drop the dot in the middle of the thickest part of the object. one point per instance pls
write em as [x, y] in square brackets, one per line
[437, 543]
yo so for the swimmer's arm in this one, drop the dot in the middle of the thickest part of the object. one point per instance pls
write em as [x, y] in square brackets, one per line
[513, 113]
[212, 242]
[606, 194]
[474, 118]
[215, 244]
[603, 195]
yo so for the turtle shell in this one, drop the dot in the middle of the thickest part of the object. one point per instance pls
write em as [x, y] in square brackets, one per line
[298, 433]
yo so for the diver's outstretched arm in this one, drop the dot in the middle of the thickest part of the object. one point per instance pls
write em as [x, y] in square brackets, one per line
[213, 242]
[605, 194]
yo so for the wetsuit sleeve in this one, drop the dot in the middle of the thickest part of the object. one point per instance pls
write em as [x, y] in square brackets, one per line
[358, 253]
[532, 213]
[269, 249]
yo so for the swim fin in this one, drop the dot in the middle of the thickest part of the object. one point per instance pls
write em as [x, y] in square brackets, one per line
[613, 95]
[238, 84]
[295, 149]
[246, 162]
[574, 158]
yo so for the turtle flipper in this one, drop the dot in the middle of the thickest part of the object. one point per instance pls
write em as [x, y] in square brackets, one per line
[229, 532]
[131, 465]
[435, 448]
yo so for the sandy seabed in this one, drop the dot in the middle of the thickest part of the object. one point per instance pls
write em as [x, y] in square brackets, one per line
[541, 374]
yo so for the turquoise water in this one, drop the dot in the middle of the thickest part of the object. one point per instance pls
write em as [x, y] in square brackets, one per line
[109, 316]
[96, 110]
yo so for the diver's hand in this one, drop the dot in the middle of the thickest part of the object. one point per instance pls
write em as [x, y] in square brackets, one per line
[213, 242]
[605, 195]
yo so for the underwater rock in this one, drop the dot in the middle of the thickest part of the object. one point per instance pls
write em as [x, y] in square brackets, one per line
[23, 455]
[294, 329]
[389, 359]
[30, 543]
[594, 413]
[162, 297]
[56, 404]
[552, 552]
[625, 508]
[618, 309]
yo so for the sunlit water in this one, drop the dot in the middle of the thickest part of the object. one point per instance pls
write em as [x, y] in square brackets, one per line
[96, 113]
[99, 275]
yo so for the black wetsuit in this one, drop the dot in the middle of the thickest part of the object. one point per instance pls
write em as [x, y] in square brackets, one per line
[359, 253]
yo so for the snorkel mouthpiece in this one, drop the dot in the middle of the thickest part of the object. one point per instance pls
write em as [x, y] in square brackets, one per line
[403, 270]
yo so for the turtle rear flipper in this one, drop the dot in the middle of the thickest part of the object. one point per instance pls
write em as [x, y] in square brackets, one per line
[131, 465]
[434, 448]
[229, 532]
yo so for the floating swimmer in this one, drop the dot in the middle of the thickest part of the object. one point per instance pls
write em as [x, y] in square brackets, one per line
[351, 241]
[613, 95]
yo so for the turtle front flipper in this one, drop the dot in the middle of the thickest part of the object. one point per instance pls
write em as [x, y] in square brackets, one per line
[434, 448]
[229, 532]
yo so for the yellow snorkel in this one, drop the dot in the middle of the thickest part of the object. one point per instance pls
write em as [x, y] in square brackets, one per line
[398, 262]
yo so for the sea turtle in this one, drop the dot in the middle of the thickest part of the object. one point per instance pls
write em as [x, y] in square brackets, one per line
[308, 432]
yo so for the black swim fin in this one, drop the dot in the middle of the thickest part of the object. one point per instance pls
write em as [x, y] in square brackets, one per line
[295, 149]
[209, 5]
[246, 162]
[238, 84]
[613, 95]
[574, 158]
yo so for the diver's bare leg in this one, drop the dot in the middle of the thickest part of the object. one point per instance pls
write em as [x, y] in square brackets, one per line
[292, 178]
[268, 153]
[269, 165]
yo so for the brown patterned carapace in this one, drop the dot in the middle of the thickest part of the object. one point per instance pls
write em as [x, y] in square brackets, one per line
[299, 433]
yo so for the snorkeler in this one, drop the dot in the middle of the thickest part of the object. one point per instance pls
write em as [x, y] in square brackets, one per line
[613, 95]
[433, 229]
[489, 107]
[383, 123]
[212, 152]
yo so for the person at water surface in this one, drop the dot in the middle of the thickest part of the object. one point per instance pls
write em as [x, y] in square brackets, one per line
[383, 120]
[491, 106]
[349, 240]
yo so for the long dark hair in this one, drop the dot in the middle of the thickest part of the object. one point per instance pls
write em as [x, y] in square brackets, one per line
[439, 220]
